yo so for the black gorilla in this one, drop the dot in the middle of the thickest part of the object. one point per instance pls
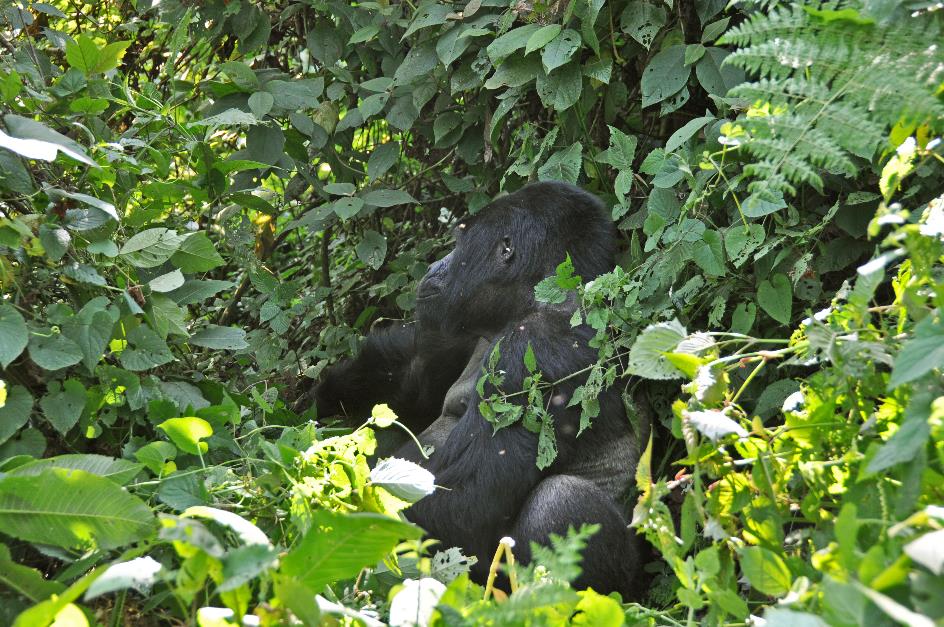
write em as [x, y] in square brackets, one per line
[480, 294]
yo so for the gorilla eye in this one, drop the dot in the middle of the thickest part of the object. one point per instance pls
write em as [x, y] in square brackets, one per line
[506, 249]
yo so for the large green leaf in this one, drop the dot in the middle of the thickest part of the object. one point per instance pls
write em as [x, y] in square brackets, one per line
[148, 350]
[24, 580]
[196, 254]
[62, 406]
[338, 546]
[13, 334]
[52, 350]
[765, 570]
[563, 165]
[921, 354]
[775, 296]
[647, 355]
[39, 141]
[72, 509]
[151, 247]
[222, 338]
[120, 471]
[15, 412]
[560, 50]
[665, 75]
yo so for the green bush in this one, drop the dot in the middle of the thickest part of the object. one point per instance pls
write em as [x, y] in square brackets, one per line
[204, 204]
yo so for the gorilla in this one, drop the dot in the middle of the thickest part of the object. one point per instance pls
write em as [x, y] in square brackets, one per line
[479, 295]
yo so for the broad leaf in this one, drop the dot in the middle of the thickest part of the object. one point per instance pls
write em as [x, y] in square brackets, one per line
[13, 334]
[187, 433]
[72, 509]
[338, 546]
[223, 338]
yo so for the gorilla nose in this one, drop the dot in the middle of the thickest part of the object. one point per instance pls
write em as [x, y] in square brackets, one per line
[432, 283]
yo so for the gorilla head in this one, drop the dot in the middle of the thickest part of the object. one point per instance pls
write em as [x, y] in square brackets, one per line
[502, 252]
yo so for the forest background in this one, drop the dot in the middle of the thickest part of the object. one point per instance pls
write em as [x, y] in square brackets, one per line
[202, 204]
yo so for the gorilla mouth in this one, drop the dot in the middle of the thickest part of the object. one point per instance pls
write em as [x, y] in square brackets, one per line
[428, 292]
[427, 295]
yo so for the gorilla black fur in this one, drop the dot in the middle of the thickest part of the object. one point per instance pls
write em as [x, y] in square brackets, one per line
[480, 294]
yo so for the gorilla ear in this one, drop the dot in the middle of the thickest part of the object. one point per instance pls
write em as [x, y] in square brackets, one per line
[507, 250]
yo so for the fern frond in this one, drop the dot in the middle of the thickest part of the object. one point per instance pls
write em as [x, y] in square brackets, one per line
[831, 90]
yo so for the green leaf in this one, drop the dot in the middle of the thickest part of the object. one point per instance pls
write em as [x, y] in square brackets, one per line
[709, 254]
[120, 471]
[665, 75]
[52, 350]
[13, 334]
[426, 15]
[187, 433]
[149, 350]
[563, 165]
[372, 249]
[647, 357]
[340, 189]
[151, 247]
[693, 52]
[82, 54]
[740, 242]
[388, 198]
[247, 532]
[296, 94]
[515, 39]
[542, 37]
[778, 617]
[55, 241]
[90, 329]
[765, 571]
[197, 290]
[364, 34]
[382, 159]
[419, 62]
[241, 75]
[910, 437]
[338, 546]
[72, 509]
[920, 355]
[167, 282]
[221, 338]
[155, 455]
[196, 253]
[560, 50]
[404, 479]
[260, 103]
[757, 206]
[685, 133]
[36, 141]
[27, 582]
[348, 207]
[63, 405]
[110, 56]
[716, 79]
[643, 21]
[714, 424]
[15, 412]
[776, 298]
[621, 152]
[562, 88]
[139, 574]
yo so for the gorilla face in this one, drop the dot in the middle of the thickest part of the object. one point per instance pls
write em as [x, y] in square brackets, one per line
[479, 286]
[488, 279]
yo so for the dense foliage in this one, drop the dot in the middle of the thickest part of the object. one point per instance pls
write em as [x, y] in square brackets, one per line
[202, 204]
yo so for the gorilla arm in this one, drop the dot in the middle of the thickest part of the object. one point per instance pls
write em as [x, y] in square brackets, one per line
[407, 368]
